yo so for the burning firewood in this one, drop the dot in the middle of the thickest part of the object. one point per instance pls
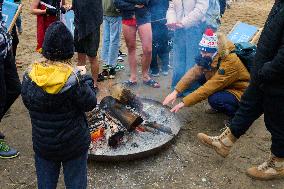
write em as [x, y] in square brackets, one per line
[115, 109]
[126, 97]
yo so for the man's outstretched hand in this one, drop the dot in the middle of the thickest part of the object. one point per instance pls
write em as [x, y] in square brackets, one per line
[171, 98]
[177, 107]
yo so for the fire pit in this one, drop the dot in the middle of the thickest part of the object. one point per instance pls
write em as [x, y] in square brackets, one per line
[160, 126]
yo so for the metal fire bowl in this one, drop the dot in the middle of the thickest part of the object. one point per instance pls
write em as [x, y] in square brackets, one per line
[136, 144]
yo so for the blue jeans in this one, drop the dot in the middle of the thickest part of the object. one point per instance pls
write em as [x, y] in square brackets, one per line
[224, 102]
[111, 39]
[185, 50]
[75, 172]
[160, 47]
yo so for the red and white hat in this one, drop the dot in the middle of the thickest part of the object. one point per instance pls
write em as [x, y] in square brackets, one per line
[209, 41]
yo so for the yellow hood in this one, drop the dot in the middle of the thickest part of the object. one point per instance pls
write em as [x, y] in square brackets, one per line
[50, 77]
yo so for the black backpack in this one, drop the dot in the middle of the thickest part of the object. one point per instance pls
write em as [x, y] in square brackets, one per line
[246, 52]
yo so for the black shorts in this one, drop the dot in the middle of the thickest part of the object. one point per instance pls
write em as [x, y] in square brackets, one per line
[88, 45]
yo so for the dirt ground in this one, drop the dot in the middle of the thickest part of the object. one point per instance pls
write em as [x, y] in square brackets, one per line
[184, 164]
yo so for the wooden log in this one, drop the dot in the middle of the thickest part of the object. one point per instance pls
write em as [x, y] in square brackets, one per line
[126, 96]
[117, 110]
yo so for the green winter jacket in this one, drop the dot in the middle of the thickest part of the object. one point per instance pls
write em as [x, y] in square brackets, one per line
[109, 8]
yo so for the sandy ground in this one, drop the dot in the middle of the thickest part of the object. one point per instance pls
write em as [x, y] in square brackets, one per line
[185, 164]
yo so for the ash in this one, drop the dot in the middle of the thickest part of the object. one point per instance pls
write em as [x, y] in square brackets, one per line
[137, 141]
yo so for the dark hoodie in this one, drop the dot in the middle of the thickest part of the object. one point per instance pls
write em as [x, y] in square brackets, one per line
[128, 10]
[57, 98]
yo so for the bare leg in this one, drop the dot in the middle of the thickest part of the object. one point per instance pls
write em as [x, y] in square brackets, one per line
[129, 33]
[81, 59]
[145, 34]
[94, 69]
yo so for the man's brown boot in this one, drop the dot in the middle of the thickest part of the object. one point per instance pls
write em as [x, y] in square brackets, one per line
[271, 169]
[221, 144]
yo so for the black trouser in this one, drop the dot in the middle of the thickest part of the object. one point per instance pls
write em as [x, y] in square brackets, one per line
[10, 86]
[223, 4]
[160, 47]
[15, 40]
[252, 105]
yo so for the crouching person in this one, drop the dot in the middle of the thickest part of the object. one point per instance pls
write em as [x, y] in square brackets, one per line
[57, 95]
[224, 76]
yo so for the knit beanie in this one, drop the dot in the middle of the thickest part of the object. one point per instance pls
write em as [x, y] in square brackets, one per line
[58, 42]
[209, 42]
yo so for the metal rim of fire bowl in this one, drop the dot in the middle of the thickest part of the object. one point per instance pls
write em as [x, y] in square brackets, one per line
[142, 154]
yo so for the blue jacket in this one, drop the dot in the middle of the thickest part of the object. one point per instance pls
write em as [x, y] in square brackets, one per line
[59, 125]
[158, 9]
[128, 10]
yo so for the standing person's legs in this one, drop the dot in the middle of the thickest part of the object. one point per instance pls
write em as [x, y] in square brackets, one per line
[115, 31]
[129, 33]
[154, 63]
[250, 109]
[224, 102]
[193, 36]
[88, 46]
[75, 172]
[47, 173]
[106, 40]
[274, 121]
[12, 83]
[145, 34]
[163, 50]
[19, 24]
[179, 57]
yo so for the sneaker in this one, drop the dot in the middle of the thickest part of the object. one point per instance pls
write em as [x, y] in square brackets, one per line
[221, 144]
[273, 168]
[7, 152]
[154, 74]
[112, 73]
[119, 67]
[120, 59]
[20, 31]
[165, 73]
[122, 54]
[105, 66]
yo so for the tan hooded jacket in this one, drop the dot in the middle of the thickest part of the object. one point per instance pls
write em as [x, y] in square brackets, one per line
[231, 76]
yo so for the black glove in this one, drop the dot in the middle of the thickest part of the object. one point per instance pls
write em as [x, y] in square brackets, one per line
[51, 11]
[63, 10]
[204, 62]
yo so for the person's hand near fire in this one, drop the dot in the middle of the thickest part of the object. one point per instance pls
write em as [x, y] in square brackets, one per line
[171, 98]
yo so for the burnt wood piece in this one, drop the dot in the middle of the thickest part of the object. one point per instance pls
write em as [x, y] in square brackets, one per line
[114, 108]
[127, 97]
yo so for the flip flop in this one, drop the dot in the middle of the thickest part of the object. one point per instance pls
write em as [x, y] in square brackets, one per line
[152, 83]
[129, 83]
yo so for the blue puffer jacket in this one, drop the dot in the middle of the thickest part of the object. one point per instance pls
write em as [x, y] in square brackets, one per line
[59, 126]
[128, 10]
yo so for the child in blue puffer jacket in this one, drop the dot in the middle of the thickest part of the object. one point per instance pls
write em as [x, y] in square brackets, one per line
[57, 96]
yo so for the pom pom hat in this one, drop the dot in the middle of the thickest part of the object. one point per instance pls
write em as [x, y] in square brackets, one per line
[209, 42]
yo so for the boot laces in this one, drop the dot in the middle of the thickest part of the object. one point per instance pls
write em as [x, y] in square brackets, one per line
[4, 147]
[224, 131]
[267, 164]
